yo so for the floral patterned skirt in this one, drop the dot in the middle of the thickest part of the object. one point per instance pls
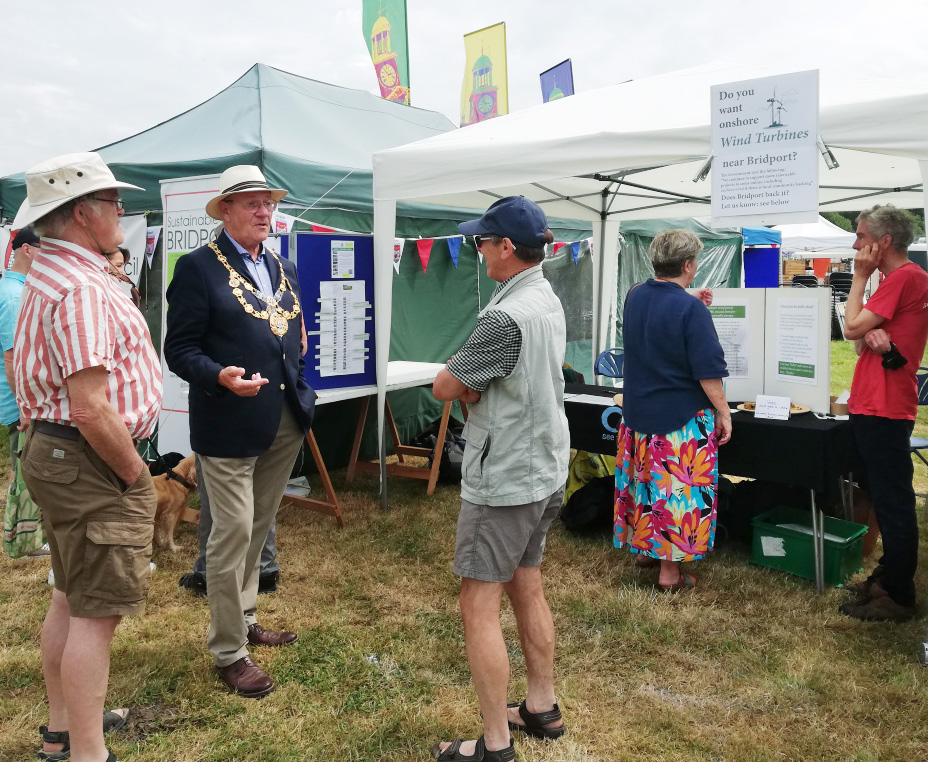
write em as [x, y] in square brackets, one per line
[666, 490]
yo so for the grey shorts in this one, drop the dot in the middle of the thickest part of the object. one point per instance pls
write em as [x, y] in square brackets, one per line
[99, 530]
[492, 541]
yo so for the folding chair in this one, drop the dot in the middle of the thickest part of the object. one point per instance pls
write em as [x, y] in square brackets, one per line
[918, 444]
[610, 363]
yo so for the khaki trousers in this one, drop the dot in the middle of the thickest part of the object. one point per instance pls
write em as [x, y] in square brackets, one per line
[244, 494]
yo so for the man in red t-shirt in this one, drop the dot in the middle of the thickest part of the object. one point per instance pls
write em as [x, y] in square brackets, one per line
[884, 401]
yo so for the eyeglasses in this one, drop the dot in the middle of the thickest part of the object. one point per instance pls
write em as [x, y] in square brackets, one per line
[254, 206]
[479, 240]
[120, 204]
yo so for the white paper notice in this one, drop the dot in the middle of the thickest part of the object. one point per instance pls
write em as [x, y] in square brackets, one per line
[797, 340]
[772, 546]
[342, 259]
[768, 406]
[342, 336]
[731, 323]
[765, 158]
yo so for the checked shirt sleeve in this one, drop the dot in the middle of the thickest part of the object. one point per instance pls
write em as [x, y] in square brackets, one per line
[491, 351]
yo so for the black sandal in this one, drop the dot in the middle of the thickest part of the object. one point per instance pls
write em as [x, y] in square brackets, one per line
[481, 753]
[535, 723]
[112, 721]
[55, 736]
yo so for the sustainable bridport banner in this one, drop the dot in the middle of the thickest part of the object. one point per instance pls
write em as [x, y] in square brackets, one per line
[485, 92]
[384, 25]
[764, 152]
[186, 227]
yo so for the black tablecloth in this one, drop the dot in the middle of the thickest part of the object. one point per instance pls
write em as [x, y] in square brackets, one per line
[593, 427]
[803, 451]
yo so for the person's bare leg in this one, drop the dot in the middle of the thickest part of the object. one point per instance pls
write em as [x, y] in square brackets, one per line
[536, 633]
[85, 668]
[670, 573]
[54, 637]
[487, 658]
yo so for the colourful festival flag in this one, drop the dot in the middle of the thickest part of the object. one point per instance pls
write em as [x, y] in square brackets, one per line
[454, 249]
[424, 245]
[485, 92]
[557, 82]
[575, 251]
[383, 23]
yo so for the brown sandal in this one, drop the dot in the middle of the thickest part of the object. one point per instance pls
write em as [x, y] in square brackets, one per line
[685, 582]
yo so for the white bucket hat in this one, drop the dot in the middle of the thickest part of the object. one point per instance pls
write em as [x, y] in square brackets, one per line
[241, 178]
[64, 178]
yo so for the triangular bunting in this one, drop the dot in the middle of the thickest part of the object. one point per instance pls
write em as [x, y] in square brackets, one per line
[454, 249]
[424, 245]
[397, 253]
[282, 223]
[321, 229]
[575, 250]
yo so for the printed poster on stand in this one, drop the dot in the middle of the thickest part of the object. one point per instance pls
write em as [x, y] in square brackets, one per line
[186, 227]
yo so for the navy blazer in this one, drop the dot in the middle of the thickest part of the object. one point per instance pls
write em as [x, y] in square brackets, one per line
[208, 329]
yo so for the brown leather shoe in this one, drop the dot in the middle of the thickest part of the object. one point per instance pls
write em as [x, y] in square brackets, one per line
[258, 636]
[246, 678]
[879, 607]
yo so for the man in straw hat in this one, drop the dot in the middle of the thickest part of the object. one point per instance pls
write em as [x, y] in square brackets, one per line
[88, 382]
[234, 333]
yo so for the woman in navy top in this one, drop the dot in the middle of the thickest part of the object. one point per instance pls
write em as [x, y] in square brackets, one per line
[674, 416]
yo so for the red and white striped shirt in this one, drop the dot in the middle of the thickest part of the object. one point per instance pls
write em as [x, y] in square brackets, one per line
[74, 316]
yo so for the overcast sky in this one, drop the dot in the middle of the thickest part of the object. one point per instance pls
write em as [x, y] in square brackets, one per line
[76, 76]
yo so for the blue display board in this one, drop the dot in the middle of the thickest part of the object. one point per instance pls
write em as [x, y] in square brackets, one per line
[336, 264]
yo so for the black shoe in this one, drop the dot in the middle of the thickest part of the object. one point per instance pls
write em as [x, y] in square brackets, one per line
[194, 582]
[267, 583]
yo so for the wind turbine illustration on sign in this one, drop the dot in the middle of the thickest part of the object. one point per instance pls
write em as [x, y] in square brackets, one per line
[776, 105]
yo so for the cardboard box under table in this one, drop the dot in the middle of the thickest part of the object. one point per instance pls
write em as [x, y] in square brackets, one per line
[783, 540]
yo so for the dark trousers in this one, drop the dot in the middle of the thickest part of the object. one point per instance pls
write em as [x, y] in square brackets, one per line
[886, 467]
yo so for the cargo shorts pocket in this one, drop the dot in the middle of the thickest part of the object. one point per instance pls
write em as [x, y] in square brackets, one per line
[116, 560]
[56, 471]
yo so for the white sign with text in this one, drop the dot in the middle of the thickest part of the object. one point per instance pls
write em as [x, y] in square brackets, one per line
[764, 150]
[768, 406]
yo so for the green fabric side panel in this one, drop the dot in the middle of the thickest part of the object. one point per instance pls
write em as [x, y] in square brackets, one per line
[433, 314]
[435, 311]
[579, 356]
[719, 261]
[573, 285]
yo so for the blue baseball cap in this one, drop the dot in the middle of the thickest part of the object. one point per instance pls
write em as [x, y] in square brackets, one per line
[515, 217]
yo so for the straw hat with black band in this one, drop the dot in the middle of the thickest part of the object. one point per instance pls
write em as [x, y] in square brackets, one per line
[242, 178]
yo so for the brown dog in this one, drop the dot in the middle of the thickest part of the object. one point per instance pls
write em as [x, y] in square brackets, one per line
[173, 489]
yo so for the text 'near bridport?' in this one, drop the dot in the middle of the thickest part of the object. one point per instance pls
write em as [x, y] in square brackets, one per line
[764, 150]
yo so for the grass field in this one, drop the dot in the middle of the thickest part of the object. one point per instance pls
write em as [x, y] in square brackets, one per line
[750, 666]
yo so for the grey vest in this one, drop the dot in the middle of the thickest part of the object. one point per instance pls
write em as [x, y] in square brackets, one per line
[517, 440]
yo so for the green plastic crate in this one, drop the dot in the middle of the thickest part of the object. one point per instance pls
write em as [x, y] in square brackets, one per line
[783, 541]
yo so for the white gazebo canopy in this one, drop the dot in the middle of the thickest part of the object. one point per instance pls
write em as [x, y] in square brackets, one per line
[631, 151]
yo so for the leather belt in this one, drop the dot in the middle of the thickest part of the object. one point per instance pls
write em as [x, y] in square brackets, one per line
[60, 430]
